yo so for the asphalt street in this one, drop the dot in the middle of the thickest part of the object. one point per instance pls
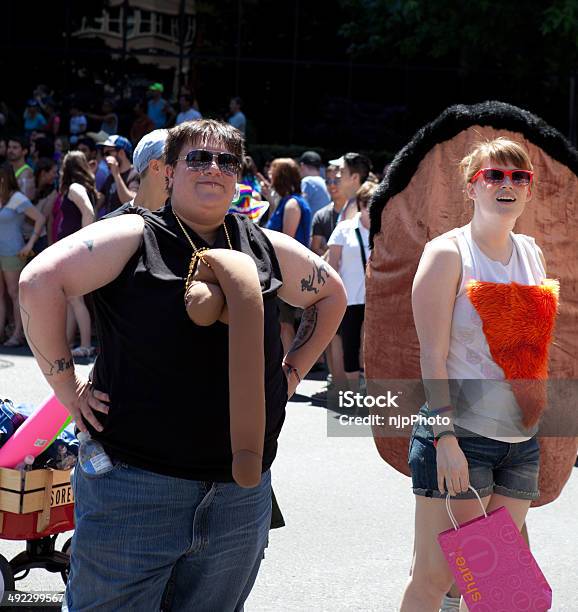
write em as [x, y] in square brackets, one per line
[347, 543]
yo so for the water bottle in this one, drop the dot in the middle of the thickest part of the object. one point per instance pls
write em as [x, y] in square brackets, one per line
[92, 456]
[26, 464]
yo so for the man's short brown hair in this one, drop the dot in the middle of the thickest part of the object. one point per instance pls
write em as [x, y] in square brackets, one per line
[198, 134]
[358, 164]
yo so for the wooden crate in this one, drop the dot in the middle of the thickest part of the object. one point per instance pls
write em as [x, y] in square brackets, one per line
[35, 491]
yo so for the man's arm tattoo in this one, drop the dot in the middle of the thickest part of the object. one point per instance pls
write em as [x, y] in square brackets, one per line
[62, 364]
[50, 368]
[89, 244]
[306, 329]
[317, 278]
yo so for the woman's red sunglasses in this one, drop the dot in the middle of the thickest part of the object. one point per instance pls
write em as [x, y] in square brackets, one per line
[495, 176]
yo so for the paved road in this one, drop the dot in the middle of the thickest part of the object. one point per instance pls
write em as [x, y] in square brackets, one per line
[348, 540]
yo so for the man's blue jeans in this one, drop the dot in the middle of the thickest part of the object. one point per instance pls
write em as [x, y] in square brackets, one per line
[137, 532]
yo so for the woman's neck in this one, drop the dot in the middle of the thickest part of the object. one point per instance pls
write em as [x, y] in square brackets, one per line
[494, 241]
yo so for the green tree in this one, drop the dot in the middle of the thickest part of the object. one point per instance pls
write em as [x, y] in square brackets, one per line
[516, 37]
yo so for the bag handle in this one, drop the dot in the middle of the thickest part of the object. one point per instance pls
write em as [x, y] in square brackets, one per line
[455, 524]
[359, 239]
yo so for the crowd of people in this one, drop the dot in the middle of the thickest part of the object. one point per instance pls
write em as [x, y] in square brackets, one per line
[64, 180]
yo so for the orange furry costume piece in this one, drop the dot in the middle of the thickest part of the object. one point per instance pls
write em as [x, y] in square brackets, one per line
[518, 323]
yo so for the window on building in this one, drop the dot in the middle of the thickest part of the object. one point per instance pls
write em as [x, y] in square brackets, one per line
[145, 22]
[165, 26]
[130, 23]
[115, 19]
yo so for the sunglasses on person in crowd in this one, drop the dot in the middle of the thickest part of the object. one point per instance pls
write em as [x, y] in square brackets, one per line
[495, 176]
[201, 159]
[334, 181]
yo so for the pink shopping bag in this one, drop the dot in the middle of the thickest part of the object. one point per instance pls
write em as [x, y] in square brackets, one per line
[492, 565]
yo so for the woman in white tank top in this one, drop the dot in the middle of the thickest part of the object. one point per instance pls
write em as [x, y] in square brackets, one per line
[499, 457]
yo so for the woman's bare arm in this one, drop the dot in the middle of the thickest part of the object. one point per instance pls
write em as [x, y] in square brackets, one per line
[78, 194]
[39, 220]
[433, 297]
[291, 217]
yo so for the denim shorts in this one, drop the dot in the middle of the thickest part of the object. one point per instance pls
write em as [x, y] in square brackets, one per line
[144, 541]
[503, 468]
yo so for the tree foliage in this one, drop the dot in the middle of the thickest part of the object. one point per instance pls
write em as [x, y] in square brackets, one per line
[510, 36]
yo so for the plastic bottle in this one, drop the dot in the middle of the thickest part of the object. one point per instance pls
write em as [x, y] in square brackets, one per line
[92, 457]
[26, 464]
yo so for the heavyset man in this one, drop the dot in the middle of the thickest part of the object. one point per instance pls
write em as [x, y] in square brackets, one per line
[169, 508]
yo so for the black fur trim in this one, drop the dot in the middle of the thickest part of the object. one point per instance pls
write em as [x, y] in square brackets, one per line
[451, 122]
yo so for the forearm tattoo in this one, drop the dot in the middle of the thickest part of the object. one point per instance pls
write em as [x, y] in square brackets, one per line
[49, 368]
[306, 328]
[89, 244]
[63, 364]
[317, 278]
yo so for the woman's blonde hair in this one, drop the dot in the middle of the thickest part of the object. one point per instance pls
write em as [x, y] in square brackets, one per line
[500, 150]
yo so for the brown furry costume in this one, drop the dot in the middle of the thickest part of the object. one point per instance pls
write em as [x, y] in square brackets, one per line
[420, 198]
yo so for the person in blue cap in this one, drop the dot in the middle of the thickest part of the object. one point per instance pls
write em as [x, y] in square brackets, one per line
[148, 162]
[122, 184]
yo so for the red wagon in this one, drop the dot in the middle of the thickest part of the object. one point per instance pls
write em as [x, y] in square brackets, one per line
[35, 506]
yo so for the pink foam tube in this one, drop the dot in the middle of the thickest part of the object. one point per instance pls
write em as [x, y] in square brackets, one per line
[36, 434]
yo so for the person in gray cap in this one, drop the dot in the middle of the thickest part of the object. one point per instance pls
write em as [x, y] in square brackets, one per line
[148, 162]
[312, 183]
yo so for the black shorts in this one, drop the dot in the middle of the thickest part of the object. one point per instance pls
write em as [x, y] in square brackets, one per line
[350, 332]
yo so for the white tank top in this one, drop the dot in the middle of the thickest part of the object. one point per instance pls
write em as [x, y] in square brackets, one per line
[483, 400]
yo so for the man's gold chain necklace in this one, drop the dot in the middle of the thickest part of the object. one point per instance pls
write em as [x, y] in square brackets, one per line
[198, 253]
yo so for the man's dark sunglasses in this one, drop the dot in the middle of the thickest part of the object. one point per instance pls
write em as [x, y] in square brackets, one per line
[201, 159]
